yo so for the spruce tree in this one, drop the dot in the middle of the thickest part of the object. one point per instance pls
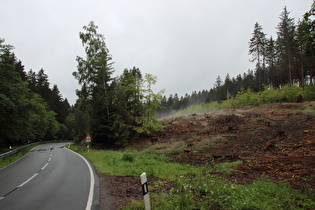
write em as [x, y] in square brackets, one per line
[306, 33]
[128, 106]
[257, 51]
[287, 46]
[271, 59]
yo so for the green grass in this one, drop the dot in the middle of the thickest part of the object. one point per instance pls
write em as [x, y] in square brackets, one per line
[133, 163]
[226, 168]
[12, 158]
[197, 187]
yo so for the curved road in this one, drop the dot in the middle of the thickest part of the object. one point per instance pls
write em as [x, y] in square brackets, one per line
[49, 177]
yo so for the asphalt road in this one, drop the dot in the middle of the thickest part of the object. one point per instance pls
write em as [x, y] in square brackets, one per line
[49, 177]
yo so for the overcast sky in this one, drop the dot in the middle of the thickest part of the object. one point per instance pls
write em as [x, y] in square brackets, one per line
[186, 44]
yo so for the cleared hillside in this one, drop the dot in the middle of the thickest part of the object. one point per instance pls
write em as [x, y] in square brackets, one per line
[275, 140]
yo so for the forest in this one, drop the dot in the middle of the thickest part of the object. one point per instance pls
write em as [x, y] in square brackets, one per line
[30, 111]
[117, 110]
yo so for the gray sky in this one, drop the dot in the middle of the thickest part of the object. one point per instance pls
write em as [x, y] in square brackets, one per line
[186, 44]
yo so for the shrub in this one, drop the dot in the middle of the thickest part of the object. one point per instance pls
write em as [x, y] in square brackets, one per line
[270, 95]
[290, 93]
[309, 92]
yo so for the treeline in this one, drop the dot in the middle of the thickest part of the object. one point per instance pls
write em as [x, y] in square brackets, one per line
[113, 110]
[29, 109]
[288, 59]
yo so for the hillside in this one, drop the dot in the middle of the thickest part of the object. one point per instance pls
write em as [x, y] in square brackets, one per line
[275, 140]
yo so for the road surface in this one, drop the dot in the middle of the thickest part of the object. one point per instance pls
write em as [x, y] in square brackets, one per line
[49, 177]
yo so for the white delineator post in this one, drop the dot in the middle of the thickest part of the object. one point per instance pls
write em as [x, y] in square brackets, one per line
[145, 191]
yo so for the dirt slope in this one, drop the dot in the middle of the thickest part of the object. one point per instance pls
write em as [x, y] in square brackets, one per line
[276, 140]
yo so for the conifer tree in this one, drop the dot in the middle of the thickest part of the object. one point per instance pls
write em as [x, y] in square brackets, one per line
[287, 46]
[257, 51]
[128, 106]
[306, 32]
[271, 59]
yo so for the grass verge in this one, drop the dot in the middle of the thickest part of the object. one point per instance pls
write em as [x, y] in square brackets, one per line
[196, 187]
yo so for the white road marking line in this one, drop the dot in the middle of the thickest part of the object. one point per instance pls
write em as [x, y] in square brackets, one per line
[92, 181]
[21, 185]
[44, 166]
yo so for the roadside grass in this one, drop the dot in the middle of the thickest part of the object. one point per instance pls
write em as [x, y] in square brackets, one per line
[12, 158]
[133, 163]
[196, 187]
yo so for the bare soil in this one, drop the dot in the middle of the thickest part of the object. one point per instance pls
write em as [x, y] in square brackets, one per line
[274, 140]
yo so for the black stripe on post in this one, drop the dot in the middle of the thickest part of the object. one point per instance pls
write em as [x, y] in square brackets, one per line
[145, 189]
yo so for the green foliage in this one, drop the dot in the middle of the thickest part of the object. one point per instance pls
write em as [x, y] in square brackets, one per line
[94, 76]
[80, 120]
[290, 93]
[24, 115]
[128, 106]
[309, 92]
[150, 124]
[117, 110]
[270, 95]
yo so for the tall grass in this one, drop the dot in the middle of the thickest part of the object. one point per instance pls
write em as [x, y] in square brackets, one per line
[196, 187]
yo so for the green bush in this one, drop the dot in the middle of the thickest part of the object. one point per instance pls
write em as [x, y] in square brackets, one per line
[270, 95]
[248, 97]
[309, 92]
[290, 93]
